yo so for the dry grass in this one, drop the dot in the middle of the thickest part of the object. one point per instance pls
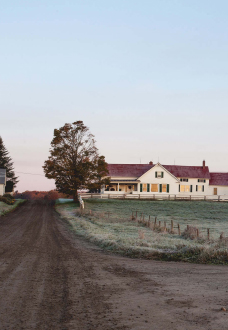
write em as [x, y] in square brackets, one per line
[141, 234]
[191, 233]
[149, 239]
[4, 208]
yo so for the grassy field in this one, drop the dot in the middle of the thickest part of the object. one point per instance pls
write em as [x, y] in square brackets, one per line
[4, 208]
[108, 223]
[200, 214]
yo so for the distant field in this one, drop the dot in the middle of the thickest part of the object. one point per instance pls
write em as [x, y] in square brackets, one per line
[108, 223]
[4, 208]
[201, 214]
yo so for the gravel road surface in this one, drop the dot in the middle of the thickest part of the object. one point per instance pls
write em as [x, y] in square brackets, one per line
[50, 279]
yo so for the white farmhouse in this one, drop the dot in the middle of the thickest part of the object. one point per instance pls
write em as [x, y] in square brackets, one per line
[145, 179]
[2, 181]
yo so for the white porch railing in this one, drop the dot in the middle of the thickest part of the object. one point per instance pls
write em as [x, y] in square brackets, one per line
[218, 198]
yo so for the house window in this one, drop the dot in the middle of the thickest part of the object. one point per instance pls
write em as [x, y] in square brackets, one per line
[201, 180]
[185, 188]
[159, 174]
[154, 187]
[184, 180]
[144, 187]
[164, 188]
[200, 188]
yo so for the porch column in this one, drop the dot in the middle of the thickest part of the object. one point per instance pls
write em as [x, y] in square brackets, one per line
[118, 187]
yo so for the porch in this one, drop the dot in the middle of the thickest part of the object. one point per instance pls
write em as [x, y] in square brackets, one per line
[122, 186]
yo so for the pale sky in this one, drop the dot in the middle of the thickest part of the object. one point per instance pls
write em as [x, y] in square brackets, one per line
[149, 78]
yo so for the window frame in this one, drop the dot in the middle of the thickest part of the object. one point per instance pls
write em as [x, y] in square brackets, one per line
[184, 188]
[202, 180]
[160, 175]
[183, 179]
[154, 184]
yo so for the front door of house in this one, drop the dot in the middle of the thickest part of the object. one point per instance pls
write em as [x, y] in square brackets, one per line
[215, 191]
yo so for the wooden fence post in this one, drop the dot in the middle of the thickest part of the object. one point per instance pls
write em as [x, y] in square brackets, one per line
[208, 233]
[179, 232]
[164, 226]
[171, 226]
[197, 233]
[155, 222]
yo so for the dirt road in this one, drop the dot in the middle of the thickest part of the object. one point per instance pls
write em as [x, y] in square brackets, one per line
[51, 280]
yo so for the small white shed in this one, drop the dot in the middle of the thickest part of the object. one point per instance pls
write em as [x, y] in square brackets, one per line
[2, 181]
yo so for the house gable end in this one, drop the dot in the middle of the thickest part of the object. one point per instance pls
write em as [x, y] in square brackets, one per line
[150, 175]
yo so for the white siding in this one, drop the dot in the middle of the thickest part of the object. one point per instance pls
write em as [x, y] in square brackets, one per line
[149, 177]
[194, 183]
[2, 189]
[221, 190]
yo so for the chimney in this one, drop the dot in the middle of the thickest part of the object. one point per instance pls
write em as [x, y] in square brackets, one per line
[150, 163]
[204, 164]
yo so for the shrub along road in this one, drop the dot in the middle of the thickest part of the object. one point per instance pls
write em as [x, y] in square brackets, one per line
[49, 279]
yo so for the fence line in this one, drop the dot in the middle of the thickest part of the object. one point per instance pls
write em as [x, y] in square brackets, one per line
[190, 231]
[212, 198]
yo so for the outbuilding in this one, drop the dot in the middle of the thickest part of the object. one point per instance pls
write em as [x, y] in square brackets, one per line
[2, 181]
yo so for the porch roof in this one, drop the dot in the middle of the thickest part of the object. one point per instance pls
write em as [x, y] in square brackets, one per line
[133, 181]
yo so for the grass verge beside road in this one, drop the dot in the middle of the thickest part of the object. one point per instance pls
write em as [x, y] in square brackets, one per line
[4, 208]
[109, 225]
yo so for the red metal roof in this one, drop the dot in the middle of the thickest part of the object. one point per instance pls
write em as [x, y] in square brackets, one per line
[137, 170]
[128, 170]
[188, 171]
[219, 179]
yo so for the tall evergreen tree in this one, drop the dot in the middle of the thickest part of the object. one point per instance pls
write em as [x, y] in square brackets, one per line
[7, 163]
